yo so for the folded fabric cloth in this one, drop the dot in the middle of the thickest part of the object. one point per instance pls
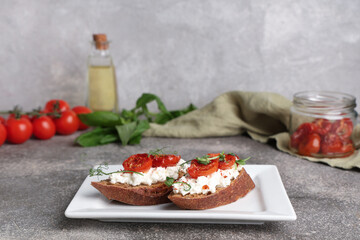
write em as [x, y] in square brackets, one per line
[262, 115]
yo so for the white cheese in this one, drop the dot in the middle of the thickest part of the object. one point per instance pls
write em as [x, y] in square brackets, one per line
[207, 184]
[154, 175]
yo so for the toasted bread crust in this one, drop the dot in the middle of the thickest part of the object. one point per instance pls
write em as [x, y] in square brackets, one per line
[238, 188]
[134, 195]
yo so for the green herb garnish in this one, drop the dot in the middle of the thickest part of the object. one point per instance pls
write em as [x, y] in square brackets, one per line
[171, 181]
[206, 159]
[126, 127]
[222, 156]
[99, 171]
[161, 151]
[242, 161]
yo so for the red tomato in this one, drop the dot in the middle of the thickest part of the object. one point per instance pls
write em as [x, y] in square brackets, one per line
[197, 169]
[301, 133]
[347, 147]
[62, 106]
[310, 145]
[164, 160]
[42, 113]
[12, 115]
[43, 128]
[81, 110]
[18, 130]
[67, 124]
[343, 128]
[333, 145]
[323, 126]
[2, 120]
[3, 134]
[228, 163]
[138, 163]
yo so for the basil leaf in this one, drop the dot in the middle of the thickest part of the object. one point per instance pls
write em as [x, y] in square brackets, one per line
[141, 127]
[109, 138]
[147, 98]
[94, 137]
[128, 115]
[178, 113]
[103, 119]
[162, 118]
[135, 140]
[131, 133]
[125, 131]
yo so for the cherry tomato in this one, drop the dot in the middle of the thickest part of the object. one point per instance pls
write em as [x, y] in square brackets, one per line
[197, 169]
[40, 112]
[22, 116]
[343, 128]
[310, 145]
[228, 163]
[67, 124]
[164, 160]
[2, 120]
[301, 133]
[323, 126]
[51, 106]
[43, 127]
[138, 163]
[18, 130]
[3, 134]
[81, 110]
[332, 144]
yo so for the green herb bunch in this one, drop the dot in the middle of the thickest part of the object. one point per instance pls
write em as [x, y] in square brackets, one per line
[126, 127]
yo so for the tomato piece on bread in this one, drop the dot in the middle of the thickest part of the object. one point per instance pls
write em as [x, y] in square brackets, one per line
[138, 163]
[228, 162]
[164, 160]
[198, 169]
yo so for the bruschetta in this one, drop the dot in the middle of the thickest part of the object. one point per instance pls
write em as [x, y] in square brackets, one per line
[211, 181]
[141, 181]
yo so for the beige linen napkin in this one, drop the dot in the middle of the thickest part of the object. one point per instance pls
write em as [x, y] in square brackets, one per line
[262, 115]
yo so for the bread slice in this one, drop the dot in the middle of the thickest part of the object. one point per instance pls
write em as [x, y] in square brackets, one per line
[238, 188]
[134, 195]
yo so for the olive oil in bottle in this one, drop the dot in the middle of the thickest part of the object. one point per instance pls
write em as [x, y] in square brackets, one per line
[102, 94]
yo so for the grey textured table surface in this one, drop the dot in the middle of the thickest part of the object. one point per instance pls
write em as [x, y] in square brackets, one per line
[39, 179]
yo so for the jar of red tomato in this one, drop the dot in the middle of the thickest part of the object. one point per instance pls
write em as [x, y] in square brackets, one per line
[322, 123]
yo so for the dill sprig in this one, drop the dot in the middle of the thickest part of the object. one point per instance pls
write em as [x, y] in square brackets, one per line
[99, 171]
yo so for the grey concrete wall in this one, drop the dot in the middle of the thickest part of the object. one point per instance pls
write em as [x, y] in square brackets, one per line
[184, 51]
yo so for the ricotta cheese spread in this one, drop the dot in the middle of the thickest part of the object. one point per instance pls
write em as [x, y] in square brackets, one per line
[207, 184]
[152, 176]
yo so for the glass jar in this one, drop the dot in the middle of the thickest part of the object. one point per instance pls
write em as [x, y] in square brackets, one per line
[322, 123]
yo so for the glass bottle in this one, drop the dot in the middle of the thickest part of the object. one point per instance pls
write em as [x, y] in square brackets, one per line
[102, 93]
[322, 123]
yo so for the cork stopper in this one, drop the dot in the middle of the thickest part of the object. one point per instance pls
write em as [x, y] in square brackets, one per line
[101, 41]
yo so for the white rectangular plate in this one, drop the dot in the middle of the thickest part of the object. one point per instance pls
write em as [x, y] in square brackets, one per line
[268, 201]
